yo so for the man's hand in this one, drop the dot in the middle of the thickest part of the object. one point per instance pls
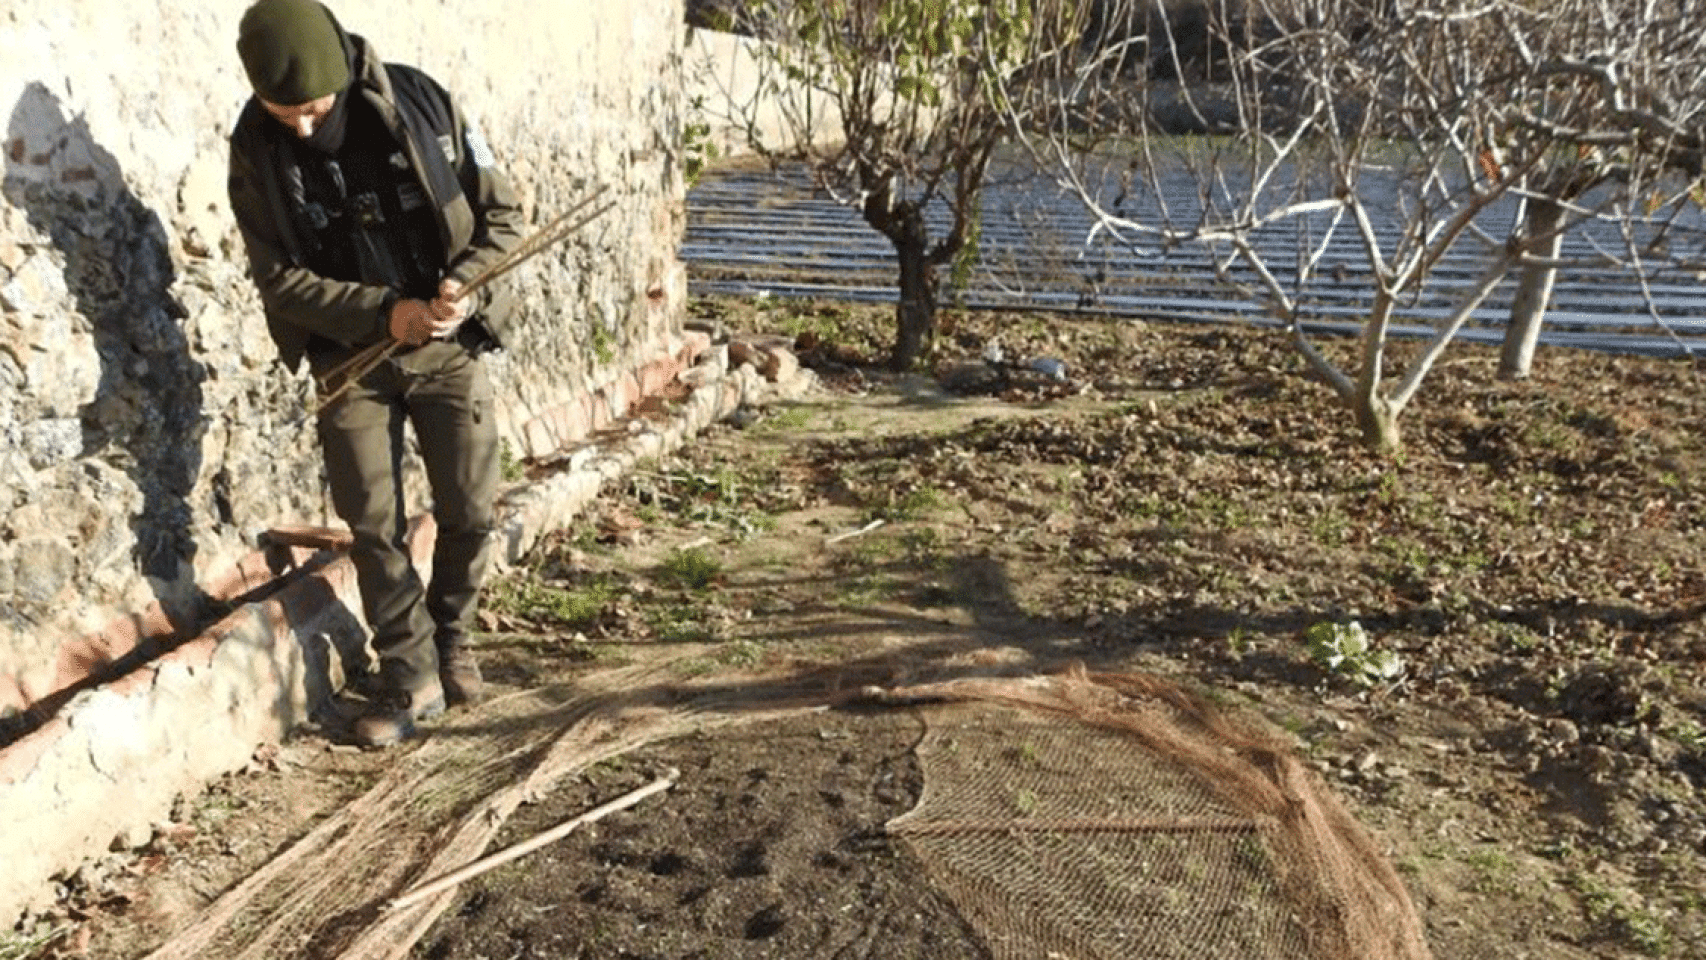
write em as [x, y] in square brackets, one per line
[447, 308]
[414, 322]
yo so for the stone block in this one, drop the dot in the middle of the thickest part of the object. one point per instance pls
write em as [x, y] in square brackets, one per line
[52, 441]
[37, 286]
[43, 567]
[779, 364]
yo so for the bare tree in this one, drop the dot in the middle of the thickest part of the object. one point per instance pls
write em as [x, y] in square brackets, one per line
[917, 88]
[1599, 93]
[1389, 134]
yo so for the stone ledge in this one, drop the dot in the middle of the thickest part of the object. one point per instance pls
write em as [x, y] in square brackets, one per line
[130, 637]
[115, 757]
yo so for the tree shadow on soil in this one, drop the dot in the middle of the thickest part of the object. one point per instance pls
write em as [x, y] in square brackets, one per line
[999, 640]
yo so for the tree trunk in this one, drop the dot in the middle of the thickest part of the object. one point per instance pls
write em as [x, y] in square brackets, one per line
[915, 314]
[1533, 292]
[1378, 421]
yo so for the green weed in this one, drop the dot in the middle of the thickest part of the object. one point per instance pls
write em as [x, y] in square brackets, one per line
[923, 547]
[1626, 920]
[1331, 529]
[1221, 512]
[681, 623]
[510, 469]
[745, 654]
[787, 420]
[24, 944]
[694, 569]
[866, 589]
[532, 600]
[1494, 872]
[1239, 643]
[910, 505]
[1517, 637]
[603, 344]
[1688, 734]
[721, 498]
[1345, 650]
[1025, 754]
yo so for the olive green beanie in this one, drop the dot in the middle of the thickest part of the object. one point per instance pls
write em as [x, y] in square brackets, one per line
[293, 51]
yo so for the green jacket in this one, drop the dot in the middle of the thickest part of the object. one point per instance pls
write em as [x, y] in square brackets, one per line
[478, 216]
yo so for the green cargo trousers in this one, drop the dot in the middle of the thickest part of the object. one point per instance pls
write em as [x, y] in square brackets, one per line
[442, 391]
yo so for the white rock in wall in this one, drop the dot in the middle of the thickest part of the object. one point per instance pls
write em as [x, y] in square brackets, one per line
[37, 287]
[43, 569]
[52, 440]
[203, 207]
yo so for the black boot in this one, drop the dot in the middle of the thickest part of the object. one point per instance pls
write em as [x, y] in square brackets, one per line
[459, 675]
[391, 715]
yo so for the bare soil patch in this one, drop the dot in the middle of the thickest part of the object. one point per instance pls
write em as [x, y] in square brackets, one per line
[1186, 503]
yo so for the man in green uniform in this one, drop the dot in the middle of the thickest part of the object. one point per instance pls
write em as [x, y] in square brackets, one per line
[366, 203]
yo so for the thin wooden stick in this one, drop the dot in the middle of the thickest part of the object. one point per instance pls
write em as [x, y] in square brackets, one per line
[451, 879]
[867, 528]
[372, 356]
[357, 367]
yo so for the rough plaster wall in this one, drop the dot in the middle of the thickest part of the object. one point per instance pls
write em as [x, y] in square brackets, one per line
[146, 435]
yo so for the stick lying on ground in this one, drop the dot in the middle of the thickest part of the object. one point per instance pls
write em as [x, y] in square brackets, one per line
[867, 528]
[451, 879]
[347, 373]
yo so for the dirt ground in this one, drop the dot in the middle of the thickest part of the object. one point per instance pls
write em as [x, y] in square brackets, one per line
[1524, 733]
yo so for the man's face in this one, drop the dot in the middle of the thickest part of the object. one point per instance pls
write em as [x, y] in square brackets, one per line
[304, 118]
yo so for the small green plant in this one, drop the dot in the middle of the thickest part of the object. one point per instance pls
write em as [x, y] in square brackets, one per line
[692, 568]
[1688, 734]
[1345, 650]
[910, 505]
[1516, 637]
[697, 149]
[681, 624]
[1331, 529]
[864, 588]
[720, 497]
[1632, 922]
[1024, 755]
[27, 943]
[509, 468]
[603, 344]
[786, 420]
[1219, 512]
[923, 547]
[741, 653]
[795, 322]
[1546, 435]
[1495, 873]
[1025, 801]
[533, 600]
[1239, 643]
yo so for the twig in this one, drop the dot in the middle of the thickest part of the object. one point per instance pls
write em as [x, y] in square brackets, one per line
[451, 879]
[358, 366]
[867, 528]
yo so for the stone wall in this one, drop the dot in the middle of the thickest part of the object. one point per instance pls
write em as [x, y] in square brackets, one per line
[147, 436]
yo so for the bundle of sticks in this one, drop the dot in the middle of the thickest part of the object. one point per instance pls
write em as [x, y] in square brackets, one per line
[336, 382]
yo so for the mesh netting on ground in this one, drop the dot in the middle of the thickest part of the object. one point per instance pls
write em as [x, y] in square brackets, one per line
[1118, 817]
[1067, 817]
[438, 809]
